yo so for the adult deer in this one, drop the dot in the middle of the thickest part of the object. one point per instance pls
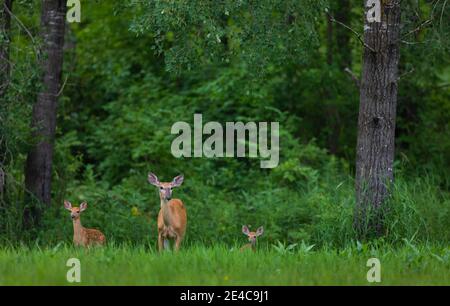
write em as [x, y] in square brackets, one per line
[83, 236]
[251, 237]
[172, 216]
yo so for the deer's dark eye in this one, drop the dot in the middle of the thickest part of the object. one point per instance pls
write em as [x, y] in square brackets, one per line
[161, 188]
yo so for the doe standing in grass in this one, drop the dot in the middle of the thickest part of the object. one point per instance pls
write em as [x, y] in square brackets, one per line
[83, 236]
[172, 216]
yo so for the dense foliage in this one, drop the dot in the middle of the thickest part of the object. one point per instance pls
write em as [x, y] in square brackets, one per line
[135, 68]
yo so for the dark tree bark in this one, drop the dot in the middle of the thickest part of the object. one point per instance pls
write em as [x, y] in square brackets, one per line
[5, 67]
[38, 170]
[376, 122]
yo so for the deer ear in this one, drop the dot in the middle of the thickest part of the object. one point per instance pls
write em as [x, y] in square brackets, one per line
[245, 230]
[259, 231]
[177, 181]
[83, 206]
[153, 179]
[67, 205]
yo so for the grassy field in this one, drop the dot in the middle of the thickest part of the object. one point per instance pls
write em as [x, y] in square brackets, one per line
[220, 265]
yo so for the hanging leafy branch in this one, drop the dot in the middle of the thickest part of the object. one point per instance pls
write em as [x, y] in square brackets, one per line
[261, 34]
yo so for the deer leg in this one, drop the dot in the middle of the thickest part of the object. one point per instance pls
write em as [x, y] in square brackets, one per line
[178, 242]
[166, 244]
[160, 242]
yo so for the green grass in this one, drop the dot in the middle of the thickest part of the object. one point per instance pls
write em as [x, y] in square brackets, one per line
[220, 265]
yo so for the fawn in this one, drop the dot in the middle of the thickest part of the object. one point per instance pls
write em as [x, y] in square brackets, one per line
[83, 236]
[251, 237]
[172, 216]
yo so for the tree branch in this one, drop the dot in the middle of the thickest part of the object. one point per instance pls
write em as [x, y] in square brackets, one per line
[33, 40]
[405, 74]
[332, 19]
[62, 87]
[354, 77]
[418, 28]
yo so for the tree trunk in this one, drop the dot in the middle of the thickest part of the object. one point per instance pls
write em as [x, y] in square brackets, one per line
[38, 170]
[376, 122]
[5, 67]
